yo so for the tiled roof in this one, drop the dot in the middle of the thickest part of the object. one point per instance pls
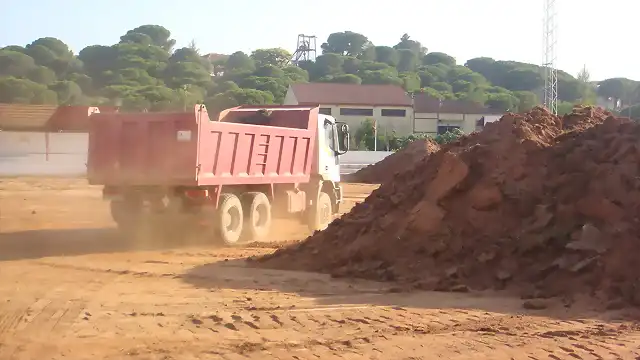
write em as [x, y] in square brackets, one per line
[423, 103]
[350, 94]
[25, 117]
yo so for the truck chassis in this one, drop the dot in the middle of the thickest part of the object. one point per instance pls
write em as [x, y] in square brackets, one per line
[232, 214]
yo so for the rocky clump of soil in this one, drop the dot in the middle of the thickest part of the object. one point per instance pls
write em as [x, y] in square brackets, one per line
[399, 162]
[541, 204]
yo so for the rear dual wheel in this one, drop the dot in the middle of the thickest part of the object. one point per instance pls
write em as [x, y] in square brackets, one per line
[237, 224]
[229, 219]
[126, 213]
[154, 221]
[257, 216]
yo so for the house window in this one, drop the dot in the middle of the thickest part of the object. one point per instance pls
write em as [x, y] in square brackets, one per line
[325, 111]
[356, 112]
[394, 112]
[443, 129]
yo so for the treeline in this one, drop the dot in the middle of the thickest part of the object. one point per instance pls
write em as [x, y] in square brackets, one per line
[145, 71]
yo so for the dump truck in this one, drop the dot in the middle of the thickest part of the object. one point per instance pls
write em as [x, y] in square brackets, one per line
[233, 174]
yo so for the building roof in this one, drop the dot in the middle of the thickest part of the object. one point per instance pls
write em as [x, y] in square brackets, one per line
[423, 103]
[350, 94]
[24, 117]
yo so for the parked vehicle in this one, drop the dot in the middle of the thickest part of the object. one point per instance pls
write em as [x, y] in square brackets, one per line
[235, 173]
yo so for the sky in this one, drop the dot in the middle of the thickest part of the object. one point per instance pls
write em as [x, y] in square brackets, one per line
[592, 34]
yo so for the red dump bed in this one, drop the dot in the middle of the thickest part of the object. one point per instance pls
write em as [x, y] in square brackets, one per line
[190, 149]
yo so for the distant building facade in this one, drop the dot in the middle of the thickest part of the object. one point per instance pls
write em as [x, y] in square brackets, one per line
[388, 105]
[435, 116]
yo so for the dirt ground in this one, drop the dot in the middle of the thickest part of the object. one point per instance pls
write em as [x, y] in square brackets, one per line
[70, 289]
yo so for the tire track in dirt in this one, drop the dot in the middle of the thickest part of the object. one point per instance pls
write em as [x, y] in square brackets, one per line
[483, 334]
[58, 309]
[10, 318]
[349, 328]
[49, 315]
[563, 340]
[20, 316]
[75, 307]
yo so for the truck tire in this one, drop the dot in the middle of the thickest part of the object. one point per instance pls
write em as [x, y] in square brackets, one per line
[229, 219]
[321, 213]
[257, 212]
[126, 214]
[171, 221]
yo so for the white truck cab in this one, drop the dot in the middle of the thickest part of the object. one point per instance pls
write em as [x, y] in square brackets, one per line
[332, 141]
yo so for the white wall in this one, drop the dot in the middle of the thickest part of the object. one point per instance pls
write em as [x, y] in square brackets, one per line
[364, 157]
[25, 153]
[429, 122]
[356, 160]
[401, 125]
[290, 98]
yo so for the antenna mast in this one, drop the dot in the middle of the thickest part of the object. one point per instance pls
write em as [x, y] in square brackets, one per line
[549, 62]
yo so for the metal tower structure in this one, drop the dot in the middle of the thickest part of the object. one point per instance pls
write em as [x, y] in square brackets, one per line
[305, 49]
[549, 61]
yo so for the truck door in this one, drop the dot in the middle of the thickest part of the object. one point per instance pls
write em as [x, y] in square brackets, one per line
[330, 161]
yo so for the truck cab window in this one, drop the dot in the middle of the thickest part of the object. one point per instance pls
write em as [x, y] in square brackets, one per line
[329, 135]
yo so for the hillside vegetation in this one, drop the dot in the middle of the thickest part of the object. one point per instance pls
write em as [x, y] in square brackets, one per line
[145, 71]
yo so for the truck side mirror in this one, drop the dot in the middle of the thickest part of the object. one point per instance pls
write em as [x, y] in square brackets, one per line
[343, 138]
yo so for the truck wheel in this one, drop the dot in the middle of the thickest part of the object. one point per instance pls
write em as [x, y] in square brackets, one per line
[170, 221]
[229, 219]
[321, 213]
[126, 213]
[257, 216]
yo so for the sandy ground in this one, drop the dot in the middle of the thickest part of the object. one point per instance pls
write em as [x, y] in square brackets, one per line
[70, 289]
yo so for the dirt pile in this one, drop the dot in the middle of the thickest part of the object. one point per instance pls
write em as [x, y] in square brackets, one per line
[536, 203]
[399, 162]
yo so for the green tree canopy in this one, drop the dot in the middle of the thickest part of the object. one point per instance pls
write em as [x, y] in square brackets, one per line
[23, 91]
[387, 55]
[146, 70]
[406, 43]
[15, 64]
[150, 35]
[346, 79]
[239, 61]
[434, 58]
[345, 43]
[271, 57]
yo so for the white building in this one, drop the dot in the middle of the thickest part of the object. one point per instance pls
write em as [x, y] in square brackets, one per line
[435, 116]
[388, 105]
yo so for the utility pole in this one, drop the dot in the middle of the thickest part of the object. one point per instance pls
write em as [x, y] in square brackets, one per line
[375, 135]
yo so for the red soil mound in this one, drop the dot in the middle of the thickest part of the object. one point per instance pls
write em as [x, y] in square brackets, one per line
[536, 203]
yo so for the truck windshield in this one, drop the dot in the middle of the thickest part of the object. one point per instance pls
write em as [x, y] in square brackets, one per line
[329, 134]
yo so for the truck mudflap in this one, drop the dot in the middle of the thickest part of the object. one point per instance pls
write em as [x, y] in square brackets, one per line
[339, 197]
